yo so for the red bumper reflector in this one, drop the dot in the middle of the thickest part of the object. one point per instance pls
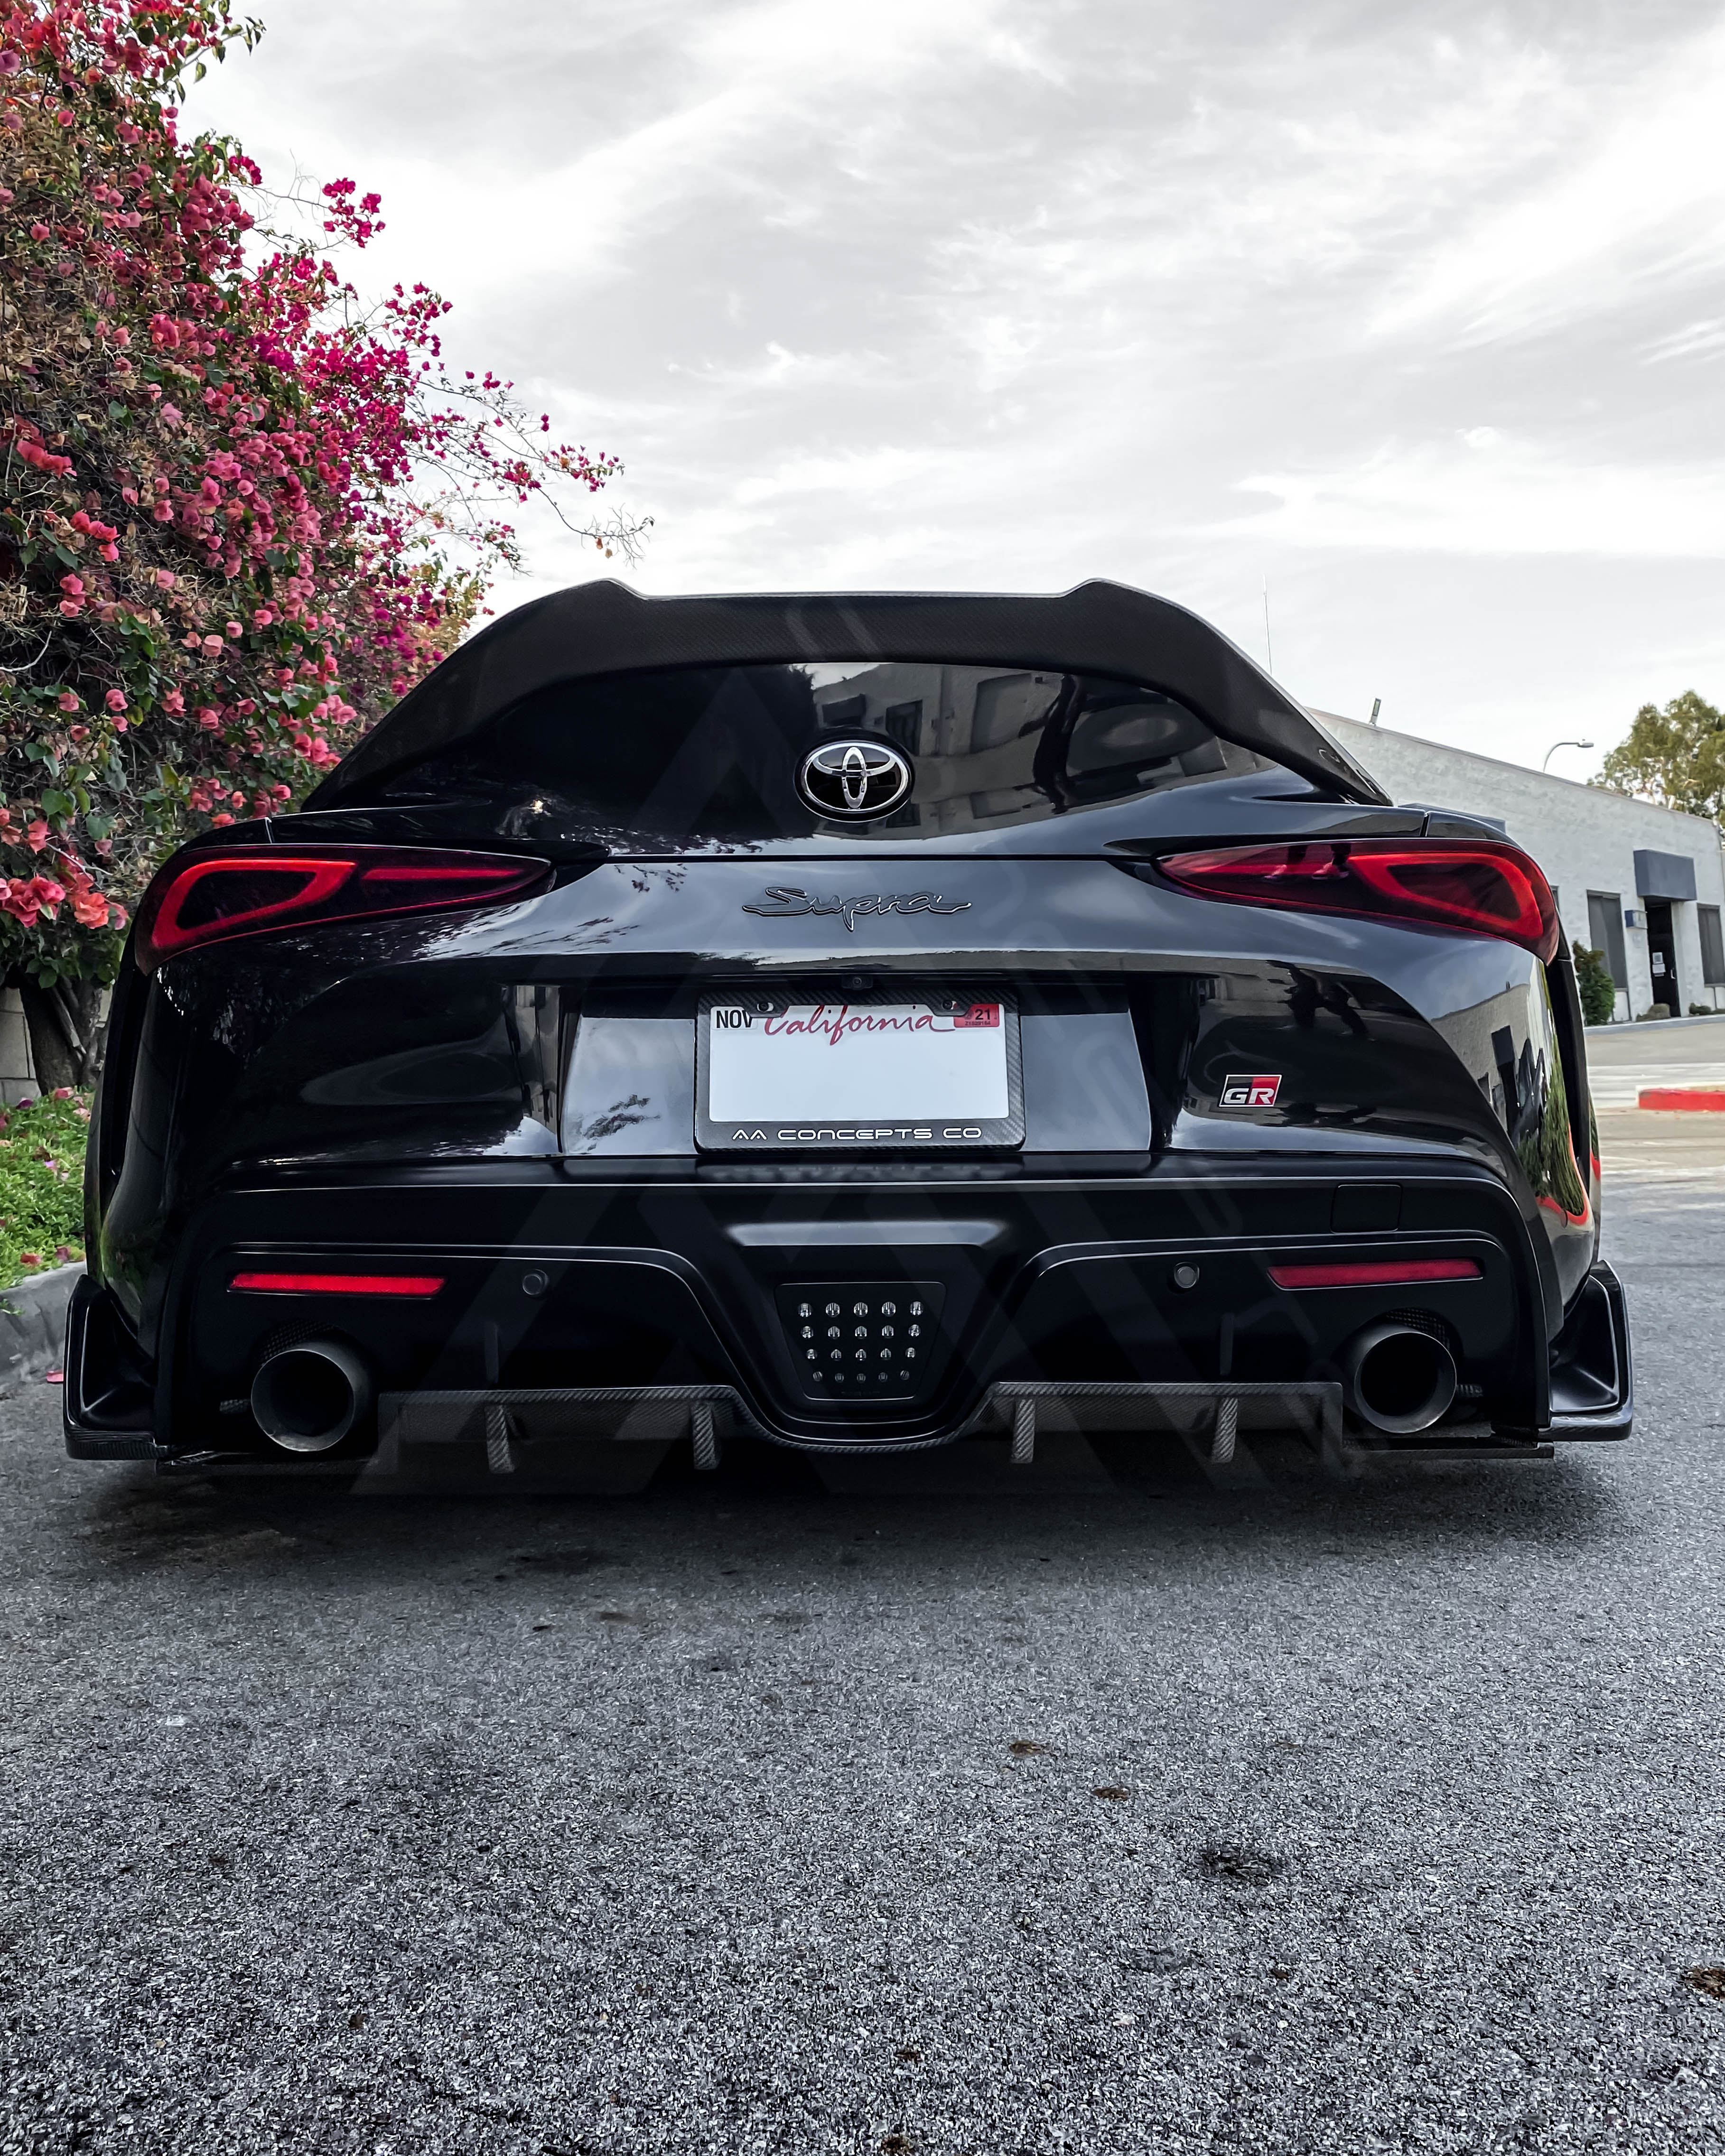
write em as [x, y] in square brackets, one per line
[402, 1285]
[1388, 1272]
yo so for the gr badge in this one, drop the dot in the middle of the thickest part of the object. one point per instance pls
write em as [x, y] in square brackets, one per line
[1259, 1091]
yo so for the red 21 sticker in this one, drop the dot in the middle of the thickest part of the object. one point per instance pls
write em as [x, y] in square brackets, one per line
[1259, 1091]
[978, 1015]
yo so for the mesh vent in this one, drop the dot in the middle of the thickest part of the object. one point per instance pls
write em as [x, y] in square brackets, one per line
[289, 1336]
[1429, 1323]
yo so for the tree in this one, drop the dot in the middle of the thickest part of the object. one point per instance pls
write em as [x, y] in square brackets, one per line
[1676, 757]
[240, 513]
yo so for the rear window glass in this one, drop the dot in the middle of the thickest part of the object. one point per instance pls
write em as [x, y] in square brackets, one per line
[714, 753]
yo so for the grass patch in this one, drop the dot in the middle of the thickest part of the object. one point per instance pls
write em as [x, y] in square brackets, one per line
[42, 1184]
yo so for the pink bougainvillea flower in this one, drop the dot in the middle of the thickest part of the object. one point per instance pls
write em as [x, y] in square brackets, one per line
[306, 461]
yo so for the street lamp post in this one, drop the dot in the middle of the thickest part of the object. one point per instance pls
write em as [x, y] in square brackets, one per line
[1556, 746]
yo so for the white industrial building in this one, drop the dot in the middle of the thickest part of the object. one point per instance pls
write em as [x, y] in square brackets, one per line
[1643, 885]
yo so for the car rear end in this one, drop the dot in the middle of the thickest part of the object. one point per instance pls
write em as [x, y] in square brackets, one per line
[610, 1058]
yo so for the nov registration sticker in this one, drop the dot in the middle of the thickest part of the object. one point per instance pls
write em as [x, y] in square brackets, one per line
[879, 1071]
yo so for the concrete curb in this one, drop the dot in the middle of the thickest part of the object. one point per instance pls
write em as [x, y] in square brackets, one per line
[1656, 1024]
[33, 1326]
[1691, 1098]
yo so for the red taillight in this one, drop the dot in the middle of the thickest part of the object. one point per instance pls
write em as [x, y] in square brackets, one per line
[411, 1286]
[1386, 1272]
[208, 896]
[1486, 887]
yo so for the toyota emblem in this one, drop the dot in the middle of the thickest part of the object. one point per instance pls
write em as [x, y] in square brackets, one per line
[853, 778]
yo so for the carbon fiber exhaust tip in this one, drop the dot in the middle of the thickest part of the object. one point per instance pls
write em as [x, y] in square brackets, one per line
[307, 1397]
[1396, 1379]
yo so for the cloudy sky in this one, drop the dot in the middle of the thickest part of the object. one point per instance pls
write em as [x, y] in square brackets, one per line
[1416, 314]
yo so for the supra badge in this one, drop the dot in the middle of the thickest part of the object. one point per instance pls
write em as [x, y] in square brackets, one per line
[783, 900]
[1258, 1091]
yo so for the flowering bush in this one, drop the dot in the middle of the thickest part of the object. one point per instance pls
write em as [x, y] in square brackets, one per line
[240, 514]
[42, 1184]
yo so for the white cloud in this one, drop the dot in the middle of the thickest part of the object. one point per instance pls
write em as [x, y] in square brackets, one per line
[1006, 293]
[1484, 493]
[1635, 201]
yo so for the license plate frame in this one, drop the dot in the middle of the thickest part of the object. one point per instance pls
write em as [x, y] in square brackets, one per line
[899, 1131]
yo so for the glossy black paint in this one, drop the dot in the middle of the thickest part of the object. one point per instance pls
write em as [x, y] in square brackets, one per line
[511, 1091]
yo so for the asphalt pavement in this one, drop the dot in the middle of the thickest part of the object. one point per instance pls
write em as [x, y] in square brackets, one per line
[1622, 1059]
[1116, 1815]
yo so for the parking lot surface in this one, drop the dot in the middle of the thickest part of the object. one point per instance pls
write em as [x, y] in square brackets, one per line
[1104, 1811]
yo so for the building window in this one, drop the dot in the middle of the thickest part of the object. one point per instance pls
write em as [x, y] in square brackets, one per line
[1604, 932]
[1713, 945]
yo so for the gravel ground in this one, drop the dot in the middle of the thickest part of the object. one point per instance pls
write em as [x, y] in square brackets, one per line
[1300, 1816]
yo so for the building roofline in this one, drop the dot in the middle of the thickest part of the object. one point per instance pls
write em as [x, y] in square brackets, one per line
[1527, 770]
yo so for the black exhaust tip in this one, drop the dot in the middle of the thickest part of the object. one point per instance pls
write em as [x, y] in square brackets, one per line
[308, 1397]
[1398, 1379]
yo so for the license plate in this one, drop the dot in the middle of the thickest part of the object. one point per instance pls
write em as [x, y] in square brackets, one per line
[873, 1073]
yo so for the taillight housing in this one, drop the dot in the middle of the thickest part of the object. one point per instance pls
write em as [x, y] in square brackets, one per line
[207, 897]
[1482, 886]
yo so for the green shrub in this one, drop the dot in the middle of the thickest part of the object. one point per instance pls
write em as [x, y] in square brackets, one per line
[42, 1184]
[1598, 991]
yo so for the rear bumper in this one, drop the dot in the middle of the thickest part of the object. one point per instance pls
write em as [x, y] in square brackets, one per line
[684, 1288]
[1592, 1378]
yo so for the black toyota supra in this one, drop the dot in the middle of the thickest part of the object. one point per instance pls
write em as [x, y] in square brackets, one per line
[859, 1023]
